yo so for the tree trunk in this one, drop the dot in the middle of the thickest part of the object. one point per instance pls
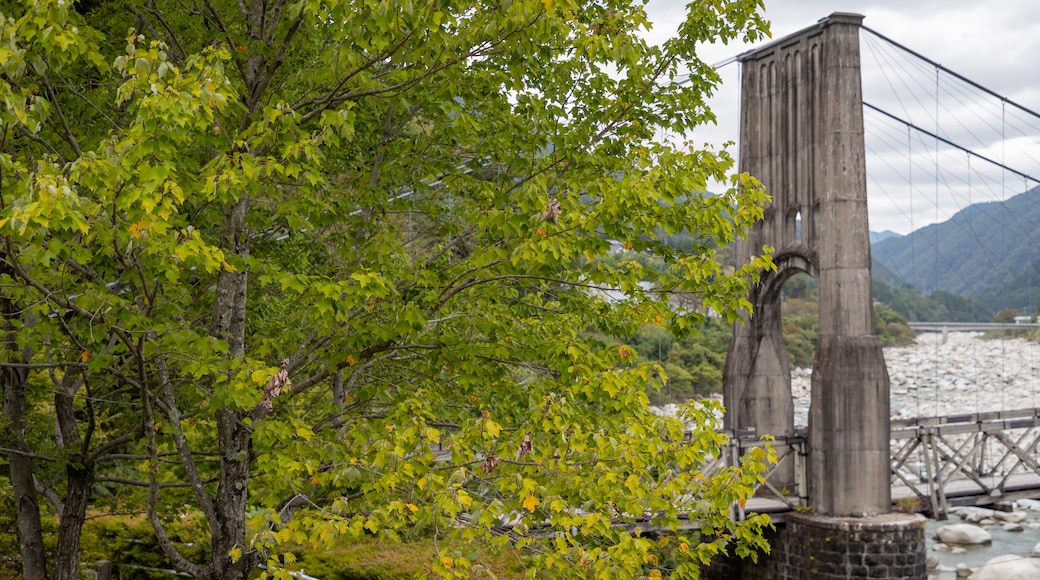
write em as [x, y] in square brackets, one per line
[234, 439]
[80, 481]
[27, 508]
[235, 457]
[79, 476]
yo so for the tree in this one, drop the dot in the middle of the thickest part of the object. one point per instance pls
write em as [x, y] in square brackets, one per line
[316, 270]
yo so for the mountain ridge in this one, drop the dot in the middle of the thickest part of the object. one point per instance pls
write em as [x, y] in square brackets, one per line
[988, 250]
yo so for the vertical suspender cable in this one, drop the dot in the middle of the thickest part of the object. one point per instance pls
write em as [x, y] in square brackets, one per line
[1003, 247]
[935, 243]
[913, 245]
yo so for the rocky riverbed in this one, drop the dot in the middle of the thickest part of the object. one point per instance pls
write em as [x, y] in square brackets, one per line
[962, 372]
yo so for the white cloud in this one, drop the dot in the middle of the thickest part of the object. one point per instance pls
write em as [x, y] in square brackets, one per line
[994, 45]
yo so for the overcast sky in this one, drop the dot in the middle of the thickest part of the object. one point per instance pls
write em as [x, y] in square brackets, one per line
[996, 44]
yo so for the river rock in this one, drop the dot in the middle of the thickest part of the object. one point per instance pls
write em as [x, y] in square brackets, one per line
[1008, 567]
[1035, 552]
[1029, 504]
[963, 534]
[976, 514]
[1011, 527]
[1012, 517]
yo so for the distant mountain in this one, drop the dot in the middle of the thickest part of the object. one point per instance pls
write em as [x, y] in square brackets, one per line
[876, 237]
[989, 251]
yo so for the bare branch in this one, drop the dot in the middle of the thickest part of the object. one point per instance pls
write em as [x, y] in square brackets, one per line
[138, 483]
[169, 408]
[168, 547]
[51, 495]
[27, 454]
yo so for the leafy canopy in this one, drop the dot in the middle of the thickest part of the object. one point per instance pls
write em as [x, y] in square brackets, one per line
[312, 270]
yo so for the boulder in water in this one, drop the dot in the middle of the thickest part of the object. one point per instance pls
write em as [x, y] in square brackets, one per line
[1008, 567]
[963, 534]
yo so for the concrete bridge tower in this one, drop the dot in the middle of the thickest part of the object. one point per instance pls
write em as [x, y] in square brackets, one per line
[802, 136]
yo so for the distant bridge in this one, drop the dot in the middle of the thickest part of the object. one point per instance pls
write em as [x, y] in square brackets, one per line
[945, 327]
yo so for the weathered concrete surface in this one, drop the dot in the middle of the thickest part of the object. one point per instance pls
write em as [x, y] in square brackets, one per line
[802, 137]
[848, 416]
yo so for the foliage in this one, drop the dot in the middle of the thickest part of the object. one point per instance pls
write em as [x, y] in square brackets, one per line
[1006, 316]
[131, 541]
[800, 324]
[311, 271]
[891, 328]
[938, 306]
[693, 363]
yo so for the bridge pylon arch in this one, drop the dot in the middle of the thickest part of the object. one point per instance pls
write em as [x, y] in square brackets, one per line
[802, 137]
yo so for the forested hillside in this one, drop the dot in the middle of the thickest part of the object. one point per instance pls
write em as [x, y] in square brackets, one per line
[989, 251]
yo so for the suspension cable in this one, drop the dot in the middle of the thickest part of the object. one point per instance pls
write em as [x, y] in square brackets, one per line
[951, 73]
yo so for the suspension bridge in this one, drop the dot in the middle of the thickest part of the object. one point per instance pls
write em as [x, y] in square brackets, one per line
[806, 132]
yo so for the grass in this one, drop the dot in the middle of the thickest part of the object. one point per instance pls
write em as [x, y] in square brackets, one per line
[373, 558]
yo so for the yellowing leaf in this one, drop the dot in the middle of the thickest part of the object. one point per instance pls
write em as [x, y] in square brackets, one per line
[138, 228]
[351, 360]
[260, 376]
[235, 553]
[684, 548]
[86, 356]
[492, 428]
[464, 499]
[412, 507]
[531, 502]
[655, 573]
[632, 482]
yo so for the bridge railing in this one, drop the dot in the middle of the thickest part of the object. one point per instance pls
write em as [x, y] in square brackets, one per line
[785, 483]
[966, 459]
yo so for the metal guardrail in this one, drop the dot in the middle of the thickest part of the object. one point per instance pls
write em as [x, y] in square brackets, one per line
[936, 462]
[967, 459]
[790, 450]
